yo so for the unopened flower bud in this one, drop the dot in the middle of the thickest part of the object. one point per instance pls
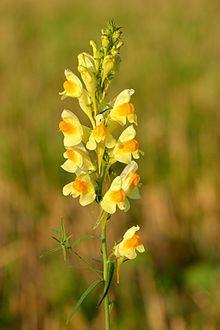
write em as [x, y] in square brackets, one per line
[88, 78]
[87, 61]
[105, 41]
[107, 65]
[119, 44]
[116, 35]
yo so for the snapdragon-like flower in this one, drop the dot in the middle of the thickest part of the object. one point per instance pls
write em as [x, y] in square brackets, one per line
[127, 248]
[71, 128]
[77, 159]
[129, 245]
[131, 180]
[123, 110]
[81, 187]
[100, 134]
[126, 147]
[72, 86]
[115, 196]
[123, 186]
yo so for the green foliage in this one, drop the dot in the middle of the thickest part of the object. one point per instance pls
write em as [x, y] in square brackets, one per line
[92, 286]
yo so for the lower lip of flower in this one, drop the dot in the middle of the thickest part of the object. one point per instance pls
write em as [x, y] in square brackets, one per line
[130, 146]
[125, 109]
[80, 186]
[71, 155]
[118, 196]
[135, 178]
[66, 127]
[69, 87]
[100, 131]
[132, 242]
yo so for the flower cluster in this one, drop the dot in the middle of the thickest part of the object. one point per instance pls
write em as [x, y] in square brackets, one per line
[91, 151]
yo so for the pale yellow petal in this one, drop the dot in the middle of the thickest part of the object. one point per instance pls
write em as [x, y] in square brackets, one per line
[108, 206]
[69, 166]
[87, 199]
[124, 97]
[130, 253]
[122, 156]
[110, 141]
[91, 144]
[140, 248]
[128, 134]
[68, 189]
[131, 232]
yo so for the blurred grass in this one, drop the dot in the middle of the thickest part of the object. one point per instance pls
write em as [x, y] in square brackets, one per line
[171, 58]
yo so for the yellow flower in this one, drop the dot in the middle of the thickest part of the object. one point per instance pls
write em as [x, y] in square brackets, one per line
[77, 159]
[123, 110]
[126, 147]
[127, 248]
[114, 197]
[130, 243]
[100, 134]
[83, 187]
[71, 128]
[72, 86]
[130, 180]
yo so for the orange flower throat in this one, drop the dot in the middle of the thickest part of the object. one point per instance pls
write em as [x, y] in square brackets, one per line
[81, 186]
[66, 127]
[132, 242]
[125, 109]
[135, 178]
[69, 87]
[118, 196]
[130, 146]
[71, 154]
[100, 131]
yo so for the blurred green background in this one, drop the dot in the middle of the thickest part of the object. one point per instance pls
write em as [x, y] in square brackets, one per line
[171, 58]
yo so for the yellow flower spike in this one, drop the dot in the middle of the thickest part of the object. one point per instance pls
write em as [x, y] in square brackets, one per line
[71, 128]
[100, 134]
[114, 197]
[130, 180]
[126, 147]
[72, 86]
[123, 110]
[129, 245]
[77, 159]
[81, 187]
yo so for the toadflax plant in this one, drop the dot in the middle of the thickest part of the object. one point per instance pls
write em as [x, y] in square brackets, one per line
[91, 153]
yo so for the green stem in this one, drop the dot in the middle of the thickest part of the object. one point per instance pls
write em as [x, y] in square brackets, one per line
[105, 270]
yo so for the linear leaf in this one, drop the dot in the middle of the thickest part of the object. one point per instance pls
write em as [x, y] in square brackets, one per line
[92, 286]
[46, 253]
[84, 238]
[56, 231]
[108, 282]
[89, 266]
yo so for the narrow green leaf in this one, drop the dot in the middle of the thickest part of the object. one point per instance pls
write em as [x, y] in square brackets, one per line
[63, 231]
[89, 266]
[92, 286]
[46, 253]
[97, 260]
[108, 282]
[56, 231]
[84, 238]
[55, 239]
